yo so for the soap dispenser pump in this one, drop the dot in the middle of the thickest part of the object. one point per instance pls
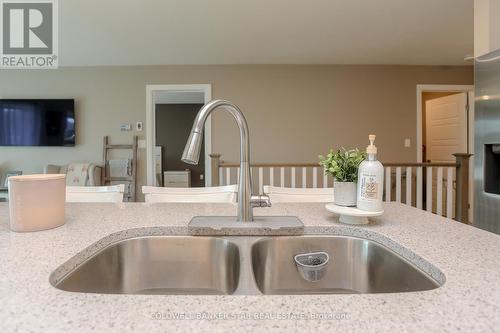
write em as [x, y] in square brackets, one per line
[370, 180]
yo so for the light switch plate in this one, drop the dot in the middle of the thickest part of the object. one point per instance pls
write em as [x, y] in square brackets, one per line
[141, 143]
[407, 142]
[138, 126]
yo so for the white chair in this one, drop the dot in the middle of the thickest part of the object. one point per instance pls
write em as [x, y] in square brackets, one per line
[95, 193]
[214, 194]
[288, 194]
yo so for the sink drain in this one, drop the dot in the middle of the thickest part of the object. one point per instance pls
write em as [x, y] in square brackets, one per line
[312, 266]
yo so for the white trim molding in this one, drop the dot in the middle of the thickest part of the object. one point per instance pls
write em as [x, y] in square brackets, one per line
[206, 89]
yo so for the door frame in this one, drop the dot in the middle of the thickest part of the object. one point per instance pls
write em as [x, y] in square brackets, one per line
[469, 89]
[206, 89]
[421, 88]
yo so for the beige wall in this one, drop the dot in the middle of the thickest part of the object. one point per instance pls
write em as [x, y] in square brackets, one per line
[294, 112]
[486, 26]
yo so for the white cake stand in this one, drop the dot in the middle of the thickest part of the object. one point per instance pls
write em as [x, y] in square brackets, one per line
[351, 215]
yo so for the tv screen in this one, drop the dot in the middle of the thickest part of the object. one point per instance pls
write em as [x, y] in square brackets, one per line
[37, 122]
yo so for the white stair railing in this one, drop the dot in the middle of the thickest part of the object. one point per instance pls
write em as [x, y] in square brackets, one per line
[404, 182]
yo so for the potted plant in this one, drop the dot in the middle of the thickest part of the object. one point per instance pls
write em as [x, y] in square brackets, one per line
[343, 165]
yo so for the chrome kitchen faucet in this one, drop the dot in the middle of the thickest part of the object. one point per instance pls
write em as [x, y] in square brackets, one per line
[191, 155]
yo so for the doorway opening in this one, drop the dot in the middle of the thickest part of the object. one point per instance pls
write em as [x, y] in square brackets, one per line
[445, 125]
[446, 106]
[171, 110]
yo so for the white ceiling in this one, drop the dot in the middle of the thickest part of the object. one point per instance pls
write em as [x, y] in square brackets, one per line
[155, 32]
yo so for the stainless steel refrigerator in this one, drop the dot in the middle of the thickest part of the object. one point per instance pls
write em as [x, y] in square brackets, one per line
[487, 142]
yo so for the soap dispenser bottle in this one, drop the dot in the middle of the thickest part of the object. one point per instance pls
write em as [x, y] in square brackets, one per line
[370, 180]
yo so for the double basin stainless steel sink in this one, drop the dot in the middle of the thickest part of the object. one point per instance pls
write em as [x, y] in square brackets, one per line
[241, 265]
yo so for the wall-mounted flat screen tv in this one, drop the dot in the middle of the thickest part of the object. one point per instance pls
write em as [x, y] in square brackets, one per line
[37, 122]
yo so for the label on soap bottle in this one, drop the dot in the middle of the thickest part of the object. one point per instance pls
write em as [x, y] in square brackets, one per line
[369, 187]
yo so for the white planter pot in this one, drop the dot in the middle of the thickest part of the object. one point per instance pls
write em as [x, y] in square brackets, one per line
[344, 193]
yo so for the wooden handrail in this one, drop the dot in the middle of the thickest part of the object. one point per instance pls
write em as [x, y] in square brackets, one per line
[424, 164]
[313, 165]
[270, 165]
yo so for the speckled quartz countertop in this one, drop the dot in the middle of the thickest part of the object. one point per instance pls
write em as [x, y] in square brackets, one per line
[469, 258]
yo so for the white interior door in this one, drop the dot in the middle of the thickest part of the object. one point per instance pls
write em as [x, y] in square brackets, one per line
[446, 134]
[446, 127]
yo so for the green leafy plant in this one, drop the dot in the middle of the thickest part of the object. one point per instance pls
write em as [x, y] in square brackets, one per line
[343, 164]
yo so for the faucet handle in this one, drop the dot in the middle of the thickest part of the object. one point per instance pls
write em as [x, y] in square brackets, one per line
[260, 201]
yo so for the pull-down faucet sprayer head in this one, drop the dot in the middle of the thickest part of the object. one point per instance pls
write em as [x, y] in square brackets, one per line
[191, 154]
